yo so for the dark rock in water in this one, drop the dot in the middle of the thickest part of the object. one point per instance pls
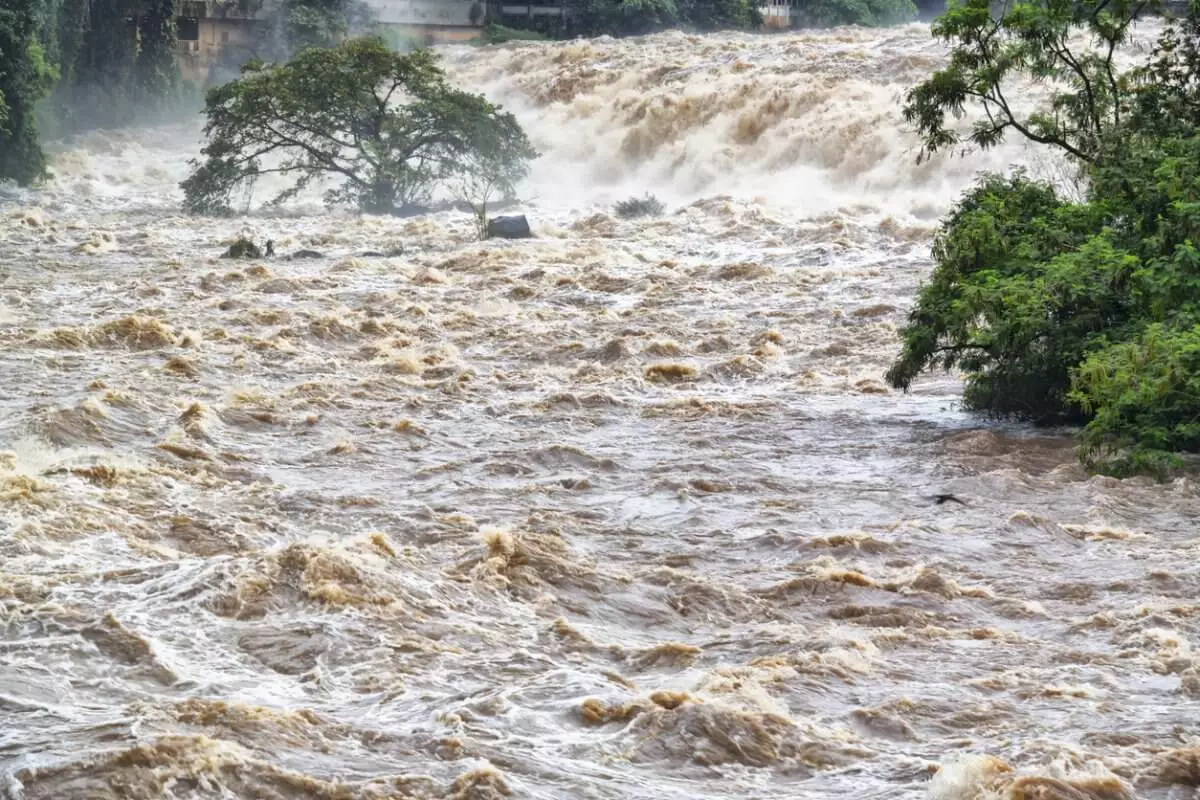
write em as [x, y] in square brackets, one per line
[412, 210]
[243, 248]
[372, 254]
[509, 228]
[270, 247]
[306, 254]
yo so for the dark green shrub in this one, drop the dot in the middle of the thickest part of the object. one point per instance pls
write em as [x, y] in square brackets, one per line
[648, 206]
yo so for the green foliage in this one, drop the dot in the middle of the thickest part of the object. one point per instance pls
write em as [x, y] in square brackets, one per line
[157, 79]
[648, 206]
[871, 13]
[499, 34]
[1033, 40]
[116, 59]
[386, 125]
[1144, 398]
[316, 23]
[25, 77]
[1084, 311]
[1022, 282]
[712, 15]
[627, 17]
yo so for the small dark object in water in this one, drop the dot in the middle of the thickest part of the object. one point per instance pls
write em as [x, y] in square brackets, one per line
[509, 228]
[270, 248]
[942, 499]
[307, 254]
[373, 254]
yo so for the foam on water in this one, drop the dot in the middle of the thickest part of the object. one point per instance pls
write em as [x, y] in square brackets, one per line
[624, 511]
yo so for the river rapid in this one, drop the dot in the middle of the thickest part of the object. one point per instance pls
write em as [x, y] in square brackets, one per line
[623, 511]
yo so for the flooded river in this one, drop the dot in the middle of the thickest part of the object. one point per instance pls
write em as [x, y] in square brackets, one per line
[624, 511]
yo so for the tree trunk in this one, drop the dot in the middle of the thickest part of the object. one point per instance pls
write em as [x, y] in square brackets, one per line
[381, 199]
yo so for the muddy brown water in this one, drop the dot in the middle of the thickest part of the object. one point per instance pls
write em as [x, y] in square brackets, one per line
[624, 511]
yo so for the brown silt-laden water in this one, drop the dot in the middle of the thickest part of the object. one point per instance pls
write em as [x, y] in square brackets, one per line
[622, 511]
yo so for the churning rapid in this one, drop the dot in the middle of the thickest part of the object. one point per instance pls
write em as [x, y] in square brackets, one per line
[624, 511]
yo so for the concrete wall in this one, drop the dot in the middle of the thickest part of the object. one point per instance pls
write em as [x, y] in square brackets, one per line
[228, 24]
[196, 58]
[439, 13]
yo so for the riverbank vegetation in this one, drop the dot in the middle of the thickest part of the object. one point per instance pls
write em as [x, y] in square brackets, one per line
[70, 65]
[639, 17]
[1070, 311]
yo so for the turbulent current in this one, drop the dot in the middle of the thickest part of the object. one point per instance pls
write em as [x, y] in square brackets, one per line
[622, 511]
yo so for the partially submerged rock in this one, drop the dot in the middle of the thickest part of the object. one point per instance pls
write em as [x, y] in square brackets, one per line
[243, 248]
[516, 227]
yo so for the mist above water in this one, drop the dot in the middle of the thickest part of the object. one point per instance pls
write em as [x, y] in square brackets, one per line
[624, 511]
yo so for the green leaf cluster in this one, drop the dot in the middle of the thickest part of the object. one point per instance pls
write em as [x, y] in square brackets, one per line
[870, 13]
[1037, 42]
[499, 34]
[713, 15]
[626, 17]
[1062, 311]
[385, 126]
[116, 59]
[25, 77]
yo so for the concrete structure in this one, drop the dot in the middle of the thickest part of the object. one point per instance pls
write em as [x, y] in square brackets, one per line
[430, 21]
[777, 14]
[208, 29]
[538, 14]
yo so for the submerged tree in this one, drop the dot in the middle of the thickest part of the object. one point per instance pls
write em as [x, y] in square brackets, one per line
[386, 126]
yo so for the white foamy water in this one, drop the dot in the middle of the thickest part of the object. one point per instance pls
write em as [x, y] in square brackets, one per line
[623, 511]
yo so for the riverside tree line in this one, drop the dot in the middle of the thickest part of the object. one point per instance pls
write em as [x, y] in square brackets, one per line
[1080, 309]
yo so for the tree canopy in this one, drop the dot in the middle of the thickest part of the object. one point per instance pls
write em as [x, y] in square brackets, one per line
[869, 13]
[25, 76]
[386, 126]
[1035, 41]
[114, 62]
[1064, 311]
